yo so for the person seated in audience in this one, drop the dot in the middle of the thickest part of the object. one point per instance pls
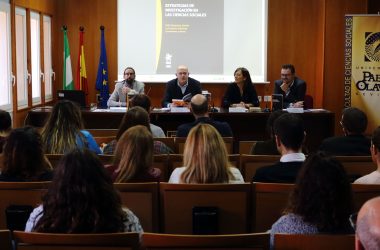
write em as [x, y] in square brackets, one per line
[205, 159]
[199, 108]
[180, 87]
[133, 159]
[374, 177]
[82, 199]
[241, 92]
[135, 116]
[368, 225]
[321, 201]
[354, 123]
[5, 127]
[143, 101]
[23, 157]
[289, 132]
[64, 131]
[129, 86]
[268, 147]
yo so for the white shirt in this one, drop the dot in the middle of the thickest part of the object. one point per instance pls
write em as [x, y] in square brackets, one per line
[372, 178]
[293, 157]
[236, 179]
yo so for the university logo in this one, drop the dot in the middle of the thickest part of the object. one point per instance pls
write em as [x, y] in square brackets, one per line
[372, 47]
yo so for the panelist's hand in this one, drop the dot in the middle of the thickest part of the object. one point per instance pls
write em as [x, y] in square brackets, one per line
[298, 104]
[125, 90]
[284, 86]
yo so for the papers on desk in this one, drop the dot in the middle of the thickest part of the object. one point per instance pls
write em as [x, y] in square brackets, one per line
[179, 110]
[161, 109]
[112, 109]
[317, 110]
[237, 110]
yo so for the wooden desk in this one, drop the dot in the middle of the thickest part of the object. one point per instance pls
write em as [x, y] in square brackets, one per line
[245, 126]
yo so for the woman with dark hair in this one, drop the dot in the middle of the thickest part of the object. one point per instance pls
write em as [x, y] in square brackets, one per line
[5, 127]
[241, 92]
[64, 132]
[134, 157]
[136, 116]
[321, 201]
[23, 157]
[81, 199]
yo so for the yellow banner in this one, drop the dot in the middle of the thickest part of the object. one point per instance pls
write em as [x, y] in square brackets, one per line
[362, 66]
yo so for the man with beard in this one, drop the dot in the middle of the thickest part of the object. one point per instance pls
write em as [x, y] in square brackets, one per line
[127, 87]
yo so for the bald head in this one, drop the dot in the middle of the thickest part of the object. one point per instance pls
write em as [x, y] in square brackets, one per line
[368, 224]
[182, 74]
[199, 105]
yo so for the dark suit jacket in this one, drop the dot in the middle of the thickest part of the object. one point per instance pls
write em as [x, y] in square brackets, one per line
[232, 95]
[174, 92]
[223, 127]
[297, 91]
[346, 145]
[281, 172]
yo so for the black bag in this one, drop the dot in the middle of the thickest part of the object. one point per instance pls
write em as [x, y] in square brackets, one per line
[17, 216]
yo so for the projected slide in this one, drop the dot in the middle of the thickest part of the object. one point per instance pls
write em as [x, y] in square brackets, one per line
[191, 34]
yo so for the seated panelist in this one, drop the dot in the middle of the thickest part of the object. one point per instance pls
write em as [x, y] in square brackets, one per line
[180, 87]
[129, 86]
[241, 92]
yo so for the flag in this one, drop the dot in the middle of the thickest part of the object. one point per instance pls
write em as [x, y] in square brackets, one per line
[102, 77]
[68, 82]
[81, 79]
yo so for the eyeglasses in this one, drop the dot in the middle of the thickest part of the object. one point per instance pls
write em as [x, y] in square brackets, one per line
[353, 217]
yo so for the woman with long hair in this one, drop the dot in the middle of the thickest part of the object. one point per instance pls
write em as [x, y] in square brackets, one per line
[134, 157]
[205, 159]
[241, 92]
[321, 201]
[23, 157]
[64, 131]
[81, 199]
[135, 116]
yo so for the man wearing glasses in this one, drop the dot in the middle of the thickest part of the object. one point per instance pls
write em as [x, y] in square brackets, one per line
[128, 87]
[292, 88]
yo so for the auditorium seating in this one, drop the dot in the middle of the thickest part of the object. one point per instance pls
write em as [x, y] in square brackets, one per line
[103, 139]
[245, 147]
[357, 166]
[102, 132]
[231, 241]
[110, 241]
[314, 241]
[168, 141]
[250, 163]
[232, 202]
[142, 199]
[20, 194]
[364, 192]
[268, 202]
[5, 240]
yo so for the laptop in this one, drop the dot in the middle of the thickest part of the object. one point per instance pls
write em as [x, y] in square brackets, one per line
[77, 96]
[277, 102]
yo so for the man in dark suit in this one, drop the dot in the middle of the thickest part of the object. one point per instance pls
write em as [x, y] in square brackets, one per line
[181, 86]
[292, 88]
[289, 133]
[354, 123]
[199, 108]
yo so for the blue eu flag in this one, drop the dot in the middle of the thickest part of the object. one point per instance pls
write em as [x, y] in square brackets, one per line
[102, 77]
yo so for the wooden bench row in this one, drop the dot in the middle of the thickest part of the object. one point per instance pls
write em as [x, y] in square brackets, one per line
[168, 208]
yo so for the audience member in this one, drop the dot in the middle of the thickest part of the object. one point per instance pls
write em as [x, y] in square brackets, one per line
[181, 86]
[321, 201]
[199, 108]
[289, 134]
[205, 159]
[268, 147]
[241, 92]
[82, 199]
[374, 177]
[354, 123]
[133, 159]
[368, 226]
[5, 127]
[292, 88]
[143, 101]
[135, 116]
[127, 87]
[64, 130]
[23, 158]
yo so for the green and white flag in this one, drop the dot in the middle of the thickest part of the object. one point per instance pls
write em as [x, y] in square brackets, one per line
[68, 82]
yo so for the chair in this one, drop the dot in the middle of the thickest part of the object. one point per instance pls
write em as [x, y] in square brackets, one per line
[231, 241]
[102, 132]
[308, 102]
[250, 163]
[245, 147]
[104, 139]
[231, 200]
[21, 194]
[364, 192]
[357, 166]
[142, 200]
[168, 141]
[5, 240]
[161, 162]
[268, 202]
[313, 241]
[180, 144]
[110, 241]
